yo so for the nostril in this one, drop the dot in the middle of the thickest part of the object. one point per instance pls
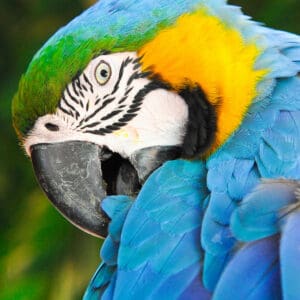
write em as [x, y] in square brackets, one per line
[51, 127]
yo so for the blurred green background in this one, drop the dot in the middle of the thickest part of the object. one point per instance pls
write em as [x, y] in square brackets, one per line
[42, 256]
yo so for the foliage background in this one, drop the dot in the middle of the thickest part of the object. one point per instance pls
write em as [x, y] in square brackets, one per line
[41, 255]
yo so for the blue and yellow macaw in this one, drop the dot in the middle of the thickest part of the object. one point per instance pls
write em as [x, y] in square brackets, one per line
[172, 129]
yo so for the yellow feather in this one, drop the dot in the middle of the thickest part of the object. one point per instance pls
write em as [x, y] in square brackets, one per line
[200, 49]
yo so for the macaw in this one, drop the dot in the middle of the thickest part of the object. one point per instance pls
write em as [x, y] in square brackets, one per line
[172, 130]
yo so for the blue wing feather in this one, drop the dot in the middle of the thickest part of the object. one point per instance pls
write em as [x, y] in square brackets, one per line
[258, 215]
[290, 256]
[253, 273]
[99, 282]
[108, 294]
[117, 208]
[213, 267]
[195, 291]
[221, 208]
[103, 282]
[183, 280]
[164, 248]
[216, 238]
[109, 251]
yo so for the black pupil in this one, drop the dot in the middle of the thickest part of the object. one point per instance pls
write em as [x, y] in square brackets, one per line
[51, 127]
[103, 73]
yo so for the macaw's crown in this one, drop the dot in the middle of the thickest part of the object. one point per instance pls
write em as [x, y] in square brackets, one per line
[114, 26]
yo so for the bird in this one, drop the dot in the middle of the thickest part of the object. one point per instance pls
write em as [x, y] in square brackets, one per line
[172, 130]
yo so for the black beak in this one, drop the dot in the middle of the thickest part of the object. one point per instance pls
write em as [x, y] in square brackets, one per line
[71, 176]
[76, 176]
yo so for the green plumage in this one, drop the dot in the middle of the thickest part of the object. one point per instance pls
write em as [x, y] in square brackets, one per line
[49, 73]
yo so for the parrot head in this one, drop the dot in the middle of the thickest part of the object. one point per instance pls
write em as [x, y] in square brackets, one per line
[113, 125]
[112, 96]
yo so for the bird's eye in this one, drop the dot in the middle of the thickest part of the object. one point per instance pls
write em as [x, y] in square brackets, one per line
[51, 127]
[103, 72]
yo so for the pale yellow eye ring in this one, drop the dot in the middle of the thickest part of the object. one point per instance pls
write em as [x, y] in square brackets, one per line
[103, 72]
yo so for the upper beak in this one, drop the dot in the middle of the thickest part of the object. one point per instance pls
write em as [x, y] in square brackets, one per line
[76, 176]
[71, 176]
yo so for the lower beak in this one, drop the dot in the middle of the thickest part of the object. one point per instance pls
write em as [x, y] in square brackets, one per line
[71, 176]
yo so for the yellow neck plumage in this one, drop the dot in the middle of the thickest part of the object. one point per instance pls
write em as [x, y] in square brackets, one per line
[200, 49]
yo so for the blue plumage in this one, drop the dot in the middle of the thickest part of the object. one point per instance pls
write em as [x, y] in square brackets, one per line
[159, 217]
[258, 215]
[178, 237]
[181, 238]
[102, 283]
[253, 273]
[290, 256]
[268, 141]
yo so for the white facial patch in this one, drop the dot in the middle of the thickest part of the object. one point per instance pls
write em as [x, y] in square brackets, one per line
[113, 103]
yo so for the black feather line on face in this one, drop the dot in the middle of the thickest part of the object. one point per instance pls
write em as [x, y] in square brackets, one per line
[202, 124]
[64, 110]
[132, 109]
[121, 72]
[88, 82]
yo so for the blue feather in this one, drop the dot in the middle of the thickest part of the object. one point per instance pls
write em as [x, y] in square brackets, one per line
[120, 19]
[287, 95]
[293, 53]
[109, 251]
[280, 66]
[259, 213]
[253, 273]
[220, 208]
[101, 279]
[116, 207]
[196, 291]
[290, 256]
[278, 154]
[216, 238]
[213, 268]
[184, 280]
[108, 294]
